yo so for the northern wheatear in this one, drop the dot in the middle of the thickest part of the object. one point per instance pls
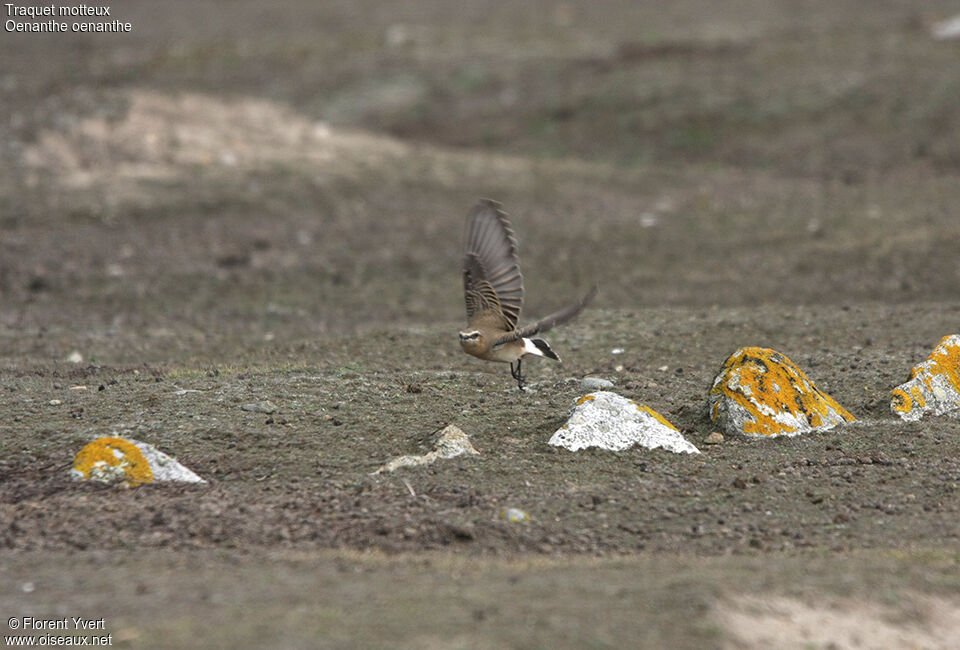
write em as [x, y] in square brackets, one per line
[493, 288]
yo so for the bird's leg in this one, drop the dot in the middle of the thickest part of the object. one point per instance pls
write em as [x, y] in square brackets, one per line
[517, 374]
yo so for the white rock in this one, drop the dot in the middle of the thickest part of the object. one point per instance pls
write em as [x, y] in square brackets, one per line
[113, 459]
[934, 386]
[595, 383]
[75, 357]
[946, 29]
[610, 421]
[453, 442]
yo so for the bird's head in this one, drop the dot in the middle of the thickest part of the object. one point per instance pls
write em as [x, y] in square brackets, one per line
[471, 340]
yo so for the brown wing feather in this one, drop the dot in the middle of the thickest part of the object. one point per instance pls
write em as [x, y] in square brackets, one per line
[549, 322]
[479, 294]
[491, 266]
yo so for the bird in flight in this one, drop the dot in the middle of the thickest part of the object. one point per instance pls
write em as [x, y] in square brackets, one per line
[493, 288]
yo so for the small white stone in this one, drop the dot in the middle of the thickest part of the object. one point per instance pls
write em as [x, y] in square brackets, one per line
[75, 357]
[514, 515]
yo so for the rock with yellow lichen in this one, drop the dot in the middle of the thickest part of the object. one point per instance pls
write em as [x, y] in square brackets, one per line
[761, 392]
[610, 421]
[115, 459]
[934, 385]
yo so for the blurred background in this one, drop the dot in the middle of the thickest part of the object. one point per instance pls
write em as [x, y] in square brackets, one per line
[250, 169]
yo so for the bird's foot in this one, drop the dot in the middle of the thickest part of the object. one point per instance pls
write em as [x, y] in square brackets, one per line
[516, 374]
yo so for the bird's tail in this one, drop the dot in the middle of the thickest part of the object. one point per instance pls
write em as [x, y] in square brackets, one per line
[560, 317]
[540, 348]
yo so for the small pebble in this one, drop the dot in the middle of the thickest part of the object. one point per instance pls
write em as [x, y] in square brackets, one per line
[595, 383]
[514, 515]
[267, 407]
[55, 402]
[714, 438]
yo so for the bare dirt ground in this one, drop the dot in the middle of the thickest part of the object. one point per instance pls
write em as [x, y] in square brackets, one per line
[240, 203]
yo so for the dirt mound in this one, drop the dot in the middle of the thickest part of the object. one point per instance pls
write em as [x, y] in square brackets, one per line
[164, 136]
[781, 622]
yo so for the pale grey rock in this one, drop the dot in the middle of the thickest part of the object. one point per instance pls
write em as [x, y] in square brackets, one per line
[595, 383]
[453, 442]
[267, 407]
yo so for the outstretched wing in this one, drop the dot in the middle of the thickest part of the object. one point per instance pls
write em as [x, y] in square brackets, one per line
[491, 267]
[549, 322]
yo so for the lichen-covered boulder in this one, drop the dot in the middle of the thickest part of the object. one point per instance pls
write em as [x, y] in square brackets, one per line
[113, 459]
[452, 442]
[610, 421]
[761, 392]
[934, 385]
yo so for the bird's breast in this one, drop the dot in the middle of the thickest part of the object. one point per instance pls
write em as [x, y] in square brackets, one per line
[507, 353]
[474, 348]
